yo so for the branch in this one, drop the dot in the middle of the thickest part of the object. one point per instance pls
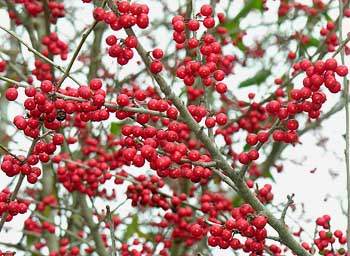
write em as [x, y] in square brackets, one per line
[111, 229]
[243, 190]
[88, 216]
[289, 203]
[347, 118]
[37, 53]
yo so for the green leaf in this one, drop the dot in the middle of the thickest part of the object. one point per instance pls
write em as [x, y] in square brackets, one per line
[249, 6]
[147, 236]
[116, 128]
[132, 227]
[241, 46]
[247, 147]
[237, 201]
[313, 42]
[268, 175]
[257, 79]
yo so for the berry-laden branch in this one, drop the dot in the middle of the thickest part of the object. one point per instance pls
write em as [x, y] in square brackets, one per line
[243, 189]
[347, 119]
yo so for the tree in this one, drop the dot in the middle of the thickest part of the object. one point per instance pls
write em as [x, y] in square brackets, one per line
[157, 102]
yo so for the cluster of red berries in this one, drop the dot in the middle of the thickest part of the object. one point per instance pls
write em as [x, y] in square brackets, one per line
[13, 166]
[56, 10]
[34, 8]
[128, 250]
[47, 201]
[130, 14]
[332, 38]
[321, 72]
[209, 72]
[252, 117]
[11, 207]
[326, 239]
[74, 176]
[37, 227]
[42, 71]
[145, 192]
[123, 50]
[313, 10]
[264, 194]
[214, 203]
[245, 223]
[55, 46]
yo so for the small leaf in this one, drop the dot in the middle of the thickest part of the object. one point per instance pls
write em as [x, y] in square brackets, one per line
[132, 227]
[268, 174]
[241, 46]
[249, 6]
[237, 201]
[247, 147]
[147, 236]
[116, 128]
[257, 79]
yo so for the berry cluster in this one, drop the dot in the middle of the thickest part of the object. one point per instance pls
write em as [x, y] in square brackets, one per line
[35, 8]
[245, 223]
[326, 240]
[54, 46]
[12, 166]
[42, 71]
[11, 207]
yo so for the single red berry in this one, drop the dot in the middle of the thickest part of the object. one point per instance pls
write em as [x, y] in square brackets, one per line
[111, 40]
[156, 67]
[221, 119]
[46, 86]
[253, 154]
[243, 158]
[157, 53]
[193, 25]
[123, 100]
[263, 136]
[131, 42]
[221, 88]
[341, 70]
[95, 84]
[210, 122]
[99, 14]
[58, 139]
[11, 94]
[206, 10]
[252, 139]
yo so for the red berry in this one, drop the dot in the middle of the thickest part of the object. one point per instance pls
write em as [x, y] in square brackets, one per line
[95, 84]
[243, 158]
[206, 10]
[11, 94]
[156, 67]
[210, 122]
[221, 119]
[157, 53]
[193, 25]
[252, 139]
[131, 42]
[123, 100]
[99, 14]
[221, 88]
[341, 70]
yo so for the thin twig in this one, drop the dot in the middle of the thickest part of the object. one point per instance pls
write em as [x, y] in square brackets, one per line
[37, 53]
[111, 229]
